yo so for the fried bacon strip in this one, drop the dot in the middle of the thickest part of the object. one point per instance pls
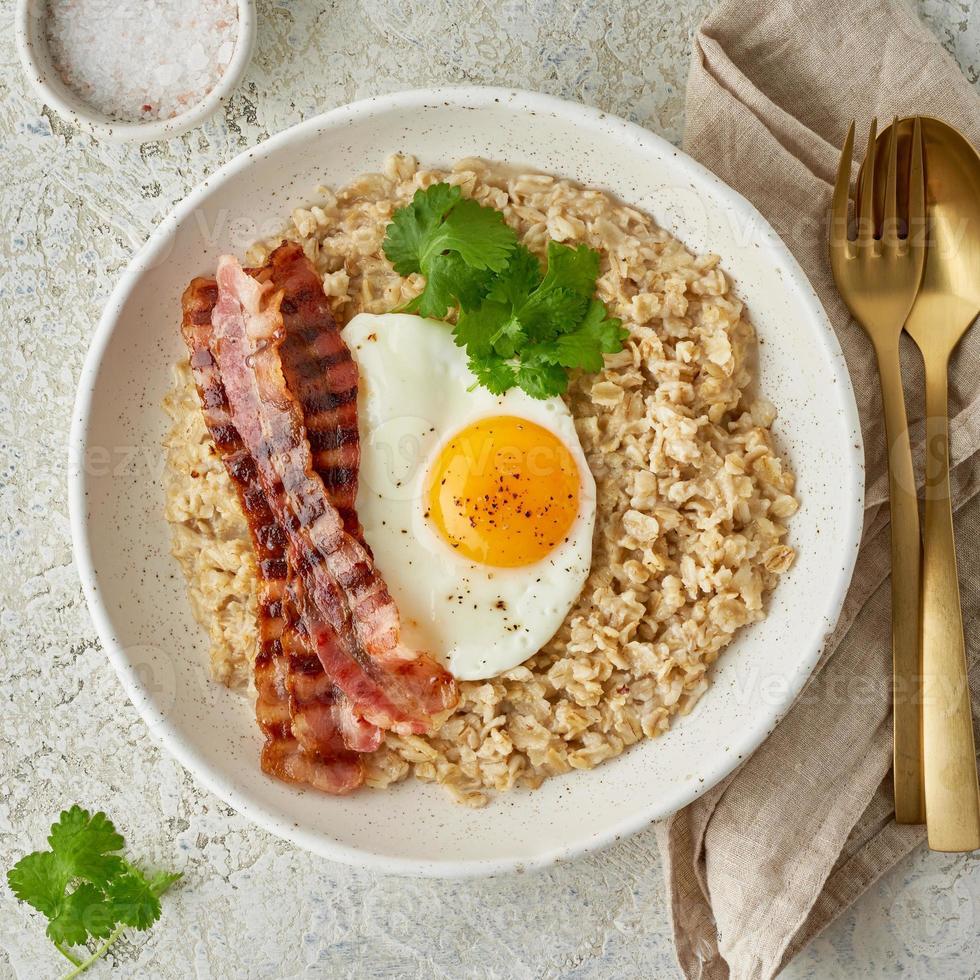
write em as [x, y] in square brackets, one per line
[350, 615]
[321, 375]
[308, 723]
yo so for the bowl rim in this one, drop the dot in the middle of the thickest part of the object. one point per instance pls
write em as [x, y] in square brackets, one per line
[849, 528]
[76, 111]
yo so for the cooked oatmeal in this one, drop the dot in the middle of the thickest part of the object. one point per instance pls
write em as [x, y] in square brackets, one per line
[692, 498]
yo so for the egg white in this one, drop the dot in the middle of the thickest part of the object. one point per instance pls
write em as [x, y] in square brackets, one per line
[414, 396]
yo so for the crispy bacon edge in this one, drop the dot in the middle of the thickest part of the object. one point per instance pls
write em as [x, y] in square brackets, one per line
[322, 376]
[306, 721]
[348, 611]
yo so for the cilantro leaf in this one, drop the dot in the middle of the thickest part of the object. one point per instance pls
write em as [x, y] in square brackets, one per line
[509, 337]
[597, 334]
[133, 900]
[541, 304]
[83, 913]
[494, 373]
[549, 312]
[82, 841]
[39, 879]
[412, 225]
[574, 269]
[450, 281]
[76, 831]
[540, 378]
[475, 328]
[456, 243]
[521, 277]
[541, 325]
[479, 234]
[85, 891]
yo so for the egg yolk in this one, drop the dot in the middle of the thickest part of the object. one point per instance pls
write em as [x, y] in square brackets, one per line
[503, 491]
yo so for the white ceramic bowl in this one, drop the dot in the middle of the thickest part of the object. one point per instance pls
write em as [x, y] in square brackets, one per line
[35, 57]
[135, 591]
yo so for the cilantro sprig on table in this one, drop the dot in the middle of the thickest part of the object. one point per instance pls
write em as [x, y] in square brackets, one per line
[520, 325]
[86, 891]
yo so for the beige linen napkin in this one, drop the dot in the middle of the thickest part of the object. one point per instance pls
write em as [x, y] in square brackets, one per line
[760, 864]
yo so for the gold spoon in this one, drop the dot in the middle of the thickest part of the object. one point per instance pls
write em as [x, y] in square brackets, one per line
[947, 304]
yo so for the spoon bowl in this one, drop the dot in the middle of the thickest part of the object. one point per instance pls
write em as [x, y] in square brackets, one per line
[949, 295]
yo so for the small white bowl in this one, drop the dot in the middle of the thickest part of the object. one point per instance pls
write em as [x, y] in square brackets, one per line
[32, 46]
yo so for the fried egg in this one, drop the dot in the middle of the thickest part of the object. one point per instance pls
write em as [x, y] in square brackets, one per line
[479, 508]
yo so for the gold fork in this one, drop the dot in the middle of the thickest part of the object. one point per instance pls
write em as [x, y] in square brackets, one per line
[878, 275]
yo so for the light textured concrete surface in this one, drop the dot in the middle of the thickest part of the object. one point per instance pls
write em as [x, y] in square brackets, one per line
[73, 210]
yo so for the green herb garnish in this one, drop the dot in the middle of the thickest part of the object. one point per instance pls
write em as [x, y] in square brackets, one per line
[86, 891]
[455, 243]
[520, 325]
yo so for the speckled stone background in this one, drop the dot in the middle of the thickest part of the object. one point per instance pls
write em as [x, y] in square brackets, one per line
[72, 211]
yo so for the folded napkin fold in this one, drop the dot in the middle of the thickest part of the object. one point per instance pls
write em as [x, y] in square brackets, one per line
[760, 864]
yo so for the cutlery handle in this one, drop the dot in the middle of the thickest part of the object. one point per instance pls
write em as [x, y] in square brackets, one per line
[952, 797]
[906, 556]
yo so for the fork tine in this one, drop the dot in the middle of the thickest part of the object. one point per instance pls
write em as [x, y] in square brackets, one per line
[889, 225]
[866, 209]
[842, 191]
[917, 188]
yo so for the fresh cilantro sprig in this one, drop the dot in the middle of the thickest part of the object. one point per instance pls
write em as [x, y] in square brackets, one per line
[86, 891]
[533, 326]
[454, 242]
[520, 325]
